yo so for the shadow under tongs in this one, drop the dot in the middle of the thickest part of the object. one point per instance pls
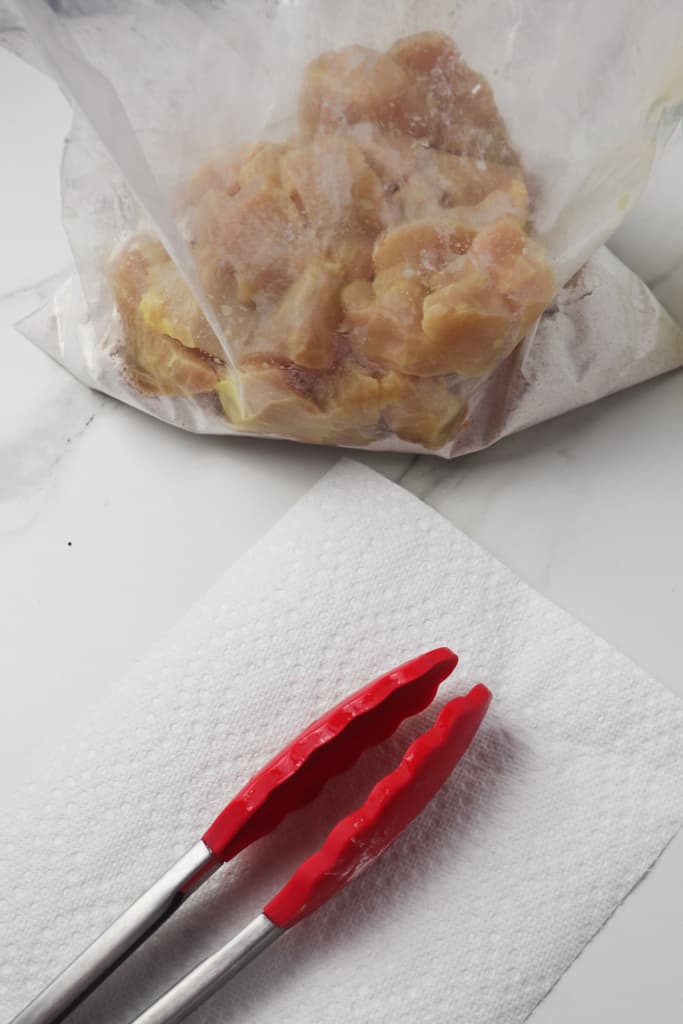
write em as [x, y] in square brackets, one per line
[238, 891]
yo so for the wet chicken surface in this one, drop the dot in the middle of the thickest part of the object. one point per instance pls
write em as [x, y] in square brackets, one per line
[360, 272]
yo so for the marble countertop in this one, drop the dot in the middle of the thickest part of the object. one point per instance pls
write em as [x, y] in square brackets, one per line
[111, 524]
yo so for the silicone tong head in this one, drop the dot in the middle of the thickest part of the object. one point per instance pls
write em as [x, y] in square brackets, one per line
[327, 748]
[392, 804]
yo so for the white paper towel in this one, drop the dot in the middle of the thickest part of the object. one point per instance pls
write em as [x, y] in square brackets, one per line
[570, 792]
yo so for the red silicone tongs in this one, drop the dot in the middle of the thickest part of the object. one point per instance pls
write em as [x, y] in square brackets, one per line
[290, 780]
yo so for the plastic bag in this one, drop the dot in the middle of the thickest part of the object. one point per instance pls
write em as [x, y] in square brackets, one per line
[211, 302]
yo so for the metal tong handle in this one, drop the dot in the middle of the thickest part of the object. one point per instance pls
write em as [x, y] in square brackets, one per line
[211, 974]
[86, 972]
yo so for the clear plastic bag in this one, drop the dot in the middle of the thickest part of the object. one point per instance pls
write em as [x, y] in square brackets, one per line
[265, 334]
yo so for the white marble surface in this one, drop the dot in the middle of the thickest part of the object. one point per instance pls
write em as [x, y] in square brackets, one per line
[111, 524]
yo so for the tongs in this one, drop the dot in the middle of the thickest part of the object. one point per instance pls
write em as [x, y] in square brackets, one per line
[290, 780]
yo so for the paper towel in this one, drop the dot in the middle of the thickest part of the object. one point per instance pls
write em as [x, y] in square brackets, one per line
[568, 795]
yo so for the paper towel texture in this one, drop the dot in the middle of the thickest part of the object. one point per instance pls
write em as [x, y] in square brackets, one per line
[569, 793]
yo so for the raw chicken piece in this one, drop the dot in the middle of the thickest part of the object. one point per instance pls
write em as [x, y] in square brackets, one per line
[168, 306]
[228, 170]
[424, 411]
[444, 180]
[392, 332]
[332, 183]
[157, 363]
[464, 327]
[352, 401]
[425, 52]
[428, 243]
[463, 318]
[355, 84]
[392, 156]
[421, 87]
[262, 165]
[341, 199]
[205, 216]
[423, 179]
[219, 173]
[160, 365]
[483, 304]
[268, 404]
[358, 299]
[337, 408]
[352, 253]
[468, 327]
[518, 267]
[458, 112]
[259, 234]
[424, 245]
[301, 328]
